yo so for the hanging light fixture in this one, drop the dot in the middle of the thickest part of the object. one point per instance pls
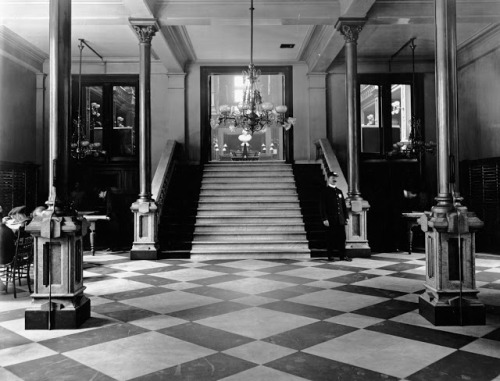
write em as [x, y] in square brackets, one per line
[415, 146]
[252, 114]
[82, 147]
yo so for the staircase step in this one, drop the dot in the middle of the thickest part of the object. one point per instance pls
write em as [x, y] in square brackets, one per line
[244, 186]
[258, 228]
[253, 237]
[252, 254]
[249, 210]
[249, 213]
[264, 198]
[248, 192]
[246, 174]
[230, 204]
[251, 245]
[245, 180]
[243, 220]
[244, 169]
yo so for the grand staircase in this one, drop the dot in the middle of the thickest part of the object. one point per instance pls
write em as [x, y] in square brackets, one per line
[249, 210]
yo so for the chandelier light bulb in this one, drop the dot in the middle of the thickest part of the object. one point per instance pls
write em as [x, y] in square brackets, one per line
[281, 109]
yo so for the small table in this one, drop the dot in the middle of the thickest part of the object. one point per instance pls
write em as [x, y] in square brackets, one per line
[411, 222]
[92, 218]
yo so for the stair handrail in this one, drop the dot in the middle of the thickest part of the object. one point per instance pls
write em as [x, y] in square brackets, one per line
[163, 174]
[329, 162]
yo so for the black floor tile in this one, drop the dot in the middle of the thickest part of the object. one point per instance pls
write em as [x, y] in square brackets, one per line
[302, 310]
[114, 331]
[309, 335]
[10, 339]
[210, 368]
[57, 367]
[130, 314]
[138, 293]
[494, 335]
[370, 291]
[12, 315]
[387, 309]
[279, 269]
[400, 267]
[221, 268]
[317, 368]
[432, 336]
[338, 266]
[214, 292]
[460, 366]
[285, 278]
[208, 337]
[486, 276]
[352, 278]
[217, 279]
[152, 280]
[161, 269]
[409, 276]
[210, 310]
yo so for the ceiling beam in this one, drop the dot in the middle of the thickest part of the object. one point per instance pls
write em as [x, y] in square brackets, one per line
[174, 63]
[326, 42]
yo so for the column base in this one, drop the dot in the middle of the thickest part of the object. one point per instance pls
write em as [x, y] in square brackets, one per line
[60, 318]
[443, 314]
[150, 253]
[358, 251]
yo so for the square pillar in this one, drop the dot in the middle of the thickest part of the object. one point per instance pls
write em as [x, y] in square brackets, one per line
[145, 244]
[451, 295]
[58, 299]
[356, 233]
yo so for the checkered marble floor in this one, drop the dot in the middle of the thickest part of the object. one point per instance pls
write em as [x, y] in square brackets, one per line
[238, 320]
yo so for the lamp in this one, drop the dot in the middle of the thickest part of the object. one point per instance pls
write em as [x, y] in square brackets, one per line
[82, 147]
[252, 114]
[416, 146]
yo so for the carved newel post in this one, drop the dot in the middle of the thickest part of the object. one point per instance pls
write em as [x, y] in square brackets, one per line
[58, 299]
[451, 294]
[356, 235]
[145, 245]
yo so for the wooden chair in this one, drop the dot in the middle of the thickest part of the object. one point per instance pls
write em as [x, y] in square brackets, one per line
[20, 265]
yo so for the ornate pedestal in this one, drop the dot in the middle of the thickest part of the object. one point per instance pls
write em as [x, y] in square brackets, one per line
[356, 234]
[451, 294]
[58, 299]
[145, 244]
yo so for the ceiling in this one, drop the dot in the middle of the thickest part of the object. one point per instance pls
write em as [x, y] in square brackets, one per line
[218, 31]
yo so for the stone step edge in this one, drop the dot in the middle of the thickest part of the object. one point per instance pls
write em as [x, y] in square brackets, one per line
[250, 255]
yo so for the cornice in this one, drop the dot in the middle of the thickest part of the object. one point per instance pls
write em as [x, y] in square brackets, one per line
[485, 41]
[21, 51]
[180, 43]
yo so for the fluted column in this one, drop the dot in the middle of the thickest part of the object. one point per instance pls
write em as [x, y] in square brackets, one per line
[145, 244]
[451, 294]
[357, 237]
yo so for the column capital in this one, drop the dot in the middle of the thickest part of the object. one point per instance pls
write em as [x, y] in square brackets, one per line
[144, 28]
[350, 27]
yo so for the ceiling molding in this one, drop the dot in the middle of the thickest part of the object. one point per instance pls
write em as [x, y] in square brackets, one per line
[14, 46]
[180, 44]
[479, 45]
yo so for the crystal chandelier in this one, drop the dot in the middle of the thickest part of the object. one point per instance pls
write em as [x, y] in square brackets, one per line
[82, 147]
[252, 114]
